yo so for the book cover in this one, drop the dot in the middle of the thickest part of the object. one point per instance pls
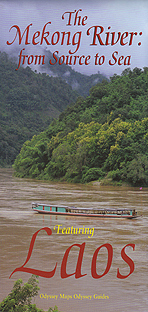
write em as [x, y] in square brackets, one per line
[52, 54]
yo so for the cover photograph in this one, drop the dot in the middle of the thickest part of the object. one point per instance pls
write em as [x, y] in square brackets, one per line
[73, 156]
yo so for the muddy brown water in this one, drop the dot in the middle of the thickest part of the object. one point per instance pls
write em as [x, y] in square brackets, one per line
[18, 223]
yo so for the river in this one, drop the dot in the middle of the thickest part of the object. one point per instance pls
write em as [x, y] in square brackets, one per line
[18, 223]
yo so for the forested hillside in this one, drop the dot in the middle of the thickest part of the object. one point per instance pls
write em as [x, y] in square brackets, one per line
[28, 103]
[29, 100]
[79, 82]
[104, 135]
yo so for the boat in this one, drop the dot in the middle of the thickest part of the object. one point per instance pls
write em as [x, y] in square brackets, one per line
[84, 212]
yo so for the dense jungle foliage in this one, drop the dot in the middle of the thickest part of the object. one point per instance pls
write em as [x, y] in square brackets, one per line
[19, 300]
[29, 100]
[28, 103]
[102, 136]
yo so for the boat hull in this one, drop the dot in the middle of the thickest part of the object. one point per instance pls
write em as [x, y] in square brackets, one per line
[86, 214]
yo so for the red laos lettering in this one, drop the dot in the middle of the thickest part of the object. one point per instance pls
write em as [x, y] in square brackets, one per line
[77, 272]
[34, 271]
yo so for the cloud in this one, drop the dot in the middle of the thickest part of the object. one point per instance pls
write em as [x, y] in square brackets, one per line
[113, 16]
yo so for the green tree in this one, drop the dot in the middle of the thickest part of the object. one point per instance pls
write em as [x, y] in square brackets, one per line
[102, 133]
[137, 170]
[19, 300]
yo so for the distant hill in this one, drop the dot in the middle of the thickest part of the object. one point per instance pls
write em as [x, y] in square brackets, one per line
[28, 103]
[79, 82]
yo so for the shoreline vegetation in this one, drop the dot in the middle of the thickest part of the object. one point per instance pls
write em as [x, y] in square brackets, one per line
[102, 182]
[103, 137]
[19, 300]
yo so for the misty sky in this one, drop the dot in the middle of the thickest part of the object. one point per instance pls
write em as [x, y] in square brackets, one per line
[112, 16]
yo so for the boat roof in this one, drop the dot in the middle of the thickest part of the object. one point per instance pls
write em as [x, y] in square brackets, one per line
[41, 204]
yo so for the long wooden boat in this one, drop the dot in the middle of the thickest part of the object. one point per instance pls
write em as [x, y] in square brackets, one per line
[84, 212]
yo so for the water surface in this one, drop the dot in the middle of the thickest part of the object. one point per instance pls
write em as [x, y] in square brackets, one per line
[19, 223]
